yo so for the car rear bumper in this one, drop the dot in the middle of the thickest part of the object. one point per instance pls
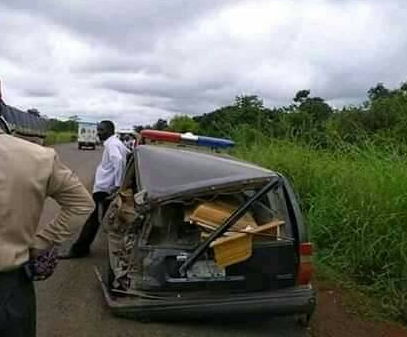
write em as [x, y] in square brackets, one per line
[87, 143]
[294, 300]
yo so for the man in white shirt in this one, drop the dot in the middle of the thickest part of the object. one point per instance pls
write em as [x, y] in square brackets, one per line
[108, 178]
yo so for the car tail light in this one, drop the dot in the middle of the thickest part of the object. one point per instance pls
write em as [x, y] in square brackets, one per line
[305, 270]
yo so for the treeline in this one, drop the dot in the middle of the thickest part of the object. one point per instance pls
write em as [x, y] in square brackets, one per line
[70, 125]
[381, 119]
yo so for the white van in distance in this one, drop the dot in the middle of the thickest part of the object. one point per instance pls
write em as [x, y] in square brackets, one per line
[87, 135]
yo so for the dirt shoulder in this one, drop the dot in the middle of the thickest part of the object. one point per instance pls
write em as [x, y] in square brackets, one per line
[340, 314]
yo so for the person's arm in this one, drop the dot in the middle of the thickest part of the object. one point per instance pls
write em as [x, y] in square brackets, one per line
[119, 165]
[76, 204]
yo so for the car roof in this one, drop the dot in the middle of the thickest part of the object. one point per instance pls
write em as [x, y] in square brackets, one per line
[165, 172]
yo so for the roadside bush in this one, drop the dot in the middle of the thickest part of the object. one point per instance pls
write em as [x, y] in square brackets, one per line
[59, 137]
[355, 203]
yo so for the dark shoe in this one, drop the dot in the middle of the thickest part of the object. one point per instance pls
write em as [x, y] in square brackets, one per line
[73, 255]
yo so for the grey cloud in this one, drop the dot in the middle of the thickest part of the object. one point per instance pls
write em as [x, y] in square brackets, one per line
[163, 87]
[129, 25]
[40, 92]
[110, 63]
[137, 61]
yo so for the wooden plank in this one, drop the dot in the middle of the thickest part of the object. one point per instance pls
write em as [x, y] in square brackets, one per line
[212, 214]
[238, 247]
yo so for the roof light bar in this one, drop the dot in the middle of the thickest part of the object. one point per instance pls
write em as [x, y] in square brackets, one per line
[186, 138]
[215, 142]
[164, 136]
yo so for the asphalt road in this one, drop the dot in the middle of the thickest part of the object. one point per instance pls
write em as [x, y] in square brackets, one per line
[71, 304]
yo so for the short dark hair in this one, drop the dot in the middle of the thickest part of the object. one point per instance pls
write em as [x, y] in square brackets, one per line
[109, 125]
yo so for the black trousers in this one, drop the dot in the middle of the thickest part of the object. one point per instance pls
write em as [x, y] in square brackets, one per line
[91, 226]
[17, 305]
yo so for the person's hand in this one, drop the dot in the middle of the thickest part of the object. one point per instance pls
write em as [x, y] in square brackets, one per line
[42, 263]
[34, 253]
[113, 193]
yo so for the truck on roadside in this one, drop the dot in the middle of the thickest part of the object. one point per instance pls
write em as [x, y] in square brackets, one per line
[87, 135]
[28, 125]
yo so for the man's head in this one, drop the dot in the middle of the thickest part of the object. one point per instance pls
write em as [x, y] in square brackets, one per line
[105, 130]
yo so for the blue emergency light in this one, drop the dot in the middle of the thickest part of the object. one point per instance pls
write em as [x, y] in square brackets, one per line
[215, 142]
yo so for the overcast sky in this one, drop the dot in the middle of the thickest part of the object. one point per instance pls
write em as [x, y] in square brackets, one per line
[137, 61]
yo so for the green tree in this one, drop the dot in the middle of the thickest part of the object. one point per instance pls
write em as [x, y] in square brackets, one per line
[379, 91]
[403, 87]
[316, 107]
[183, 123]
[301, 95]
[138, 128]
[251, 101]
[161, 124]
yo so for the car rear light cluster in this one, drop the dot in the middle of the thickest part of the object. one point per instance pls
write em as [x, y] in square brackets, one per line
[186, 138]
[305, 269]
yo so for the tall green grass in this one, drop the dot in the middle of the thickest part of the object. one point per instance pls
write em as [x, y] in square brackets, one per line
[355, 203]
[59, 137]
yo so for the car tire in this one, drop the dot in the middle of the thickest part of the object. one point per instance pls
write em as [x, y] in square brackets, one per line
[303, 320]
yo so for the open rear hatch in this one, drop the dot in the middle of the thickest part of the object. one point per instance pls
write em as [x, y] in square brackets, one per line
[232, 241]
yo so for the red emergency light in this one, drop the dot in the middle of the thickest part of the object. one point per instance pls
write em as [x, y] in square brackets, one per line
[163, 136]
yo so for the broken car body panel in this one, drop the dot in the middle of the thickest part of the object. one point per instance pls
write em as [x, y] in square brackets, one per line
[161, 258]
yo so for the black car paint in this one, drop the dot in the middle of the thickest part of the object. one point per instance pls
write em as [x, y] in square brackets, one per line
[161, 269]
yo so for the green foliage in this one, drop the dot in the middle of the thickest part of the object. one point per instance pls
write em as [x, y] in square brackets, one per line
[71, 125]
[248, 102]
[183, 123]
[54, 137]
[161, 124]
[138, 128]
[247, 110]
[379, 91]
[355, 203]
[381, 120]
[301, 95]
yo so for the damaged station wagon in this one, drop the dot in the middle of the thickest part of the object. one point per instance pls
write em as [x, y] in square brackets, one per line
[194, 233]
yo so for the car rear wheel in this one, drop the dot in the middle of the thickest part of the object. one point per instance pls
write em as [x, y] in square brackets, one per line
[303, 320]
